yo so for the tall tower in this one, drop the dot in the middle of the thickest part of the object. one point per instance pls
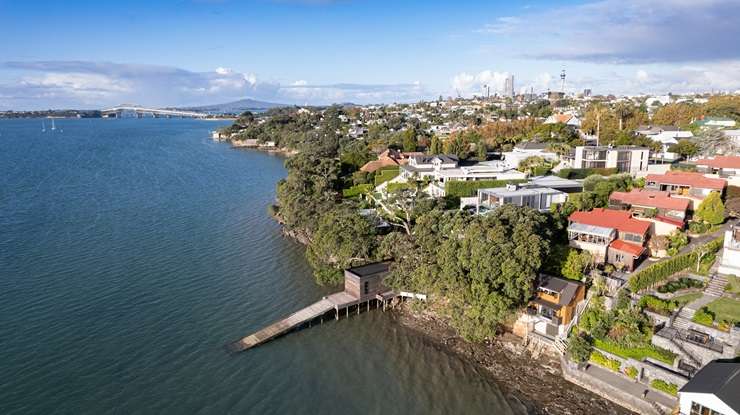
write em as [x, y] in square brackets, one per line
[562, 81]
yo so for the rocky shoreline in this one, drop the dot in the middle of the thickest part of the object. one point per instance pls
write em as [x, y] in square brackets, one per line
[529, 377]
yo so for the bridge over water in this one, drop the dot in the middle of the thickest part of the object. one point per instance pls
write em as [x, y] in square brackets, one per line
[140, 112]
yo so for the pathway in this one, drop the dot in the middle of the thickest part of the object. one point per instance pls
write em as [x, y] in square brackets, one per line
[632, 387]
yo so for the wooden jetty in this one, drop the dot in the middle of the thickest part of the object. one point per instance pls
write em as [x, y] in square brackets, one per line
[362, 286]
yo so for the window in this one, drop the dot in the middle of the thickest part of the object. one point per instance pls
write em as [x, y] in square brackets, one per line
[698, 409]
[367, 287]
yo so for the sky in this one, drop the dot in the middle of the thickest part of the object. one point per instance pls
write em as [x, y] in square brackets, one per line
[96, 54]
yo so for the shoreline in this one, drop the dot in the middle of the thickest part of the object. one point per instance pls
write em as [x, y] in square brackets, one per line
[528, 377]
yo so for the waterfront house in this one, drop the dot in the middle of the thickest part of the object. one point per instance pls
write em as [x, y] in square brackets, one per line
[427, 166]
[626, 159]
[714, 390]
[665, 212]
[554, 305]
[693, 186]
[611, 236]
[540, 198]
[486, 170]
[365, 282]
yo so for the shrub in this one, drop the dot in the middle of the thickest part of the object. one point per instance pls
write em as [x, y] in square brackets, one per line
[631, 372]
[660, 306]
[601, 360]
[698, 227]
[661, 270]
[579, 348]
[711, 210]
[468, 188]
[664, 386]
[392, 187]
[583, 173]
[637, 353]
[679, 284]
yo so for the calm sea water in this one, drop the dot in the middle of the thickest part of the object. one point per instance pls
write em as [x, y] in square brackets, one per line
[132, 251]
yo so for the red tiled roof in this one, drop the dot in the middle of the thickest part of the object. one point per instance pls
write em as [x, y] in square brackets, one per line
[374, 165]
[671, 221]
[720, 162]
[607, 218]
[688, 179]
[632, 249]
[651, 198]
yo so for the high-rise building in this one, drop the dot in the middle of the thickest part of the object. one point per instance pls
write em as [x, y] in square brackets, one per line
[509, 86]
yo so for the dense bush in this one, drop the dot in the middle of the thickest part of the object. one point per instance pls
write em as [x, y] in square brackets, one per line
[631, 372]
[460, 188]
[664, 386]
[583, 173]
[579, 348]
[657, 305]
[680, 284]
[637, 353]
[601, 360]
[660, 271]
[698, 227]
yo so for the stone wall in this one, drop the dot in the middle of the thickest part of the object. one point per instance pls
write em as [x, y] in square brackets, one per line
[600, 387]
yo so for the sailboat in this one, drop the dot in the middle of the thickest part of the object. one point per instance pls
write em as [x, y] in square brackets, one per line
[43, 126]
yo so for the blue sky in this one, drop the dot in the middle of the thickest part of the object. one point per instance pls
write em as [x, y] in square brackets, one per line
[92, 54]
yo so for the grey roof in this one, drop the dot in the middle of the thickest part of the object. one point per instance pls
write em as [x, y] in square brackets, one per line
[529, 145]
[719, 378]
[370, 269]
[519, 191]
[553, 182]
[427, 159]
[566, 288]
[590, 229]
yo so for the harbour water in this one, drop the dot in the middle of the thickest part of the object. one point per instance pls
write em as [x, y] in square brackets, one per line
[132, 251]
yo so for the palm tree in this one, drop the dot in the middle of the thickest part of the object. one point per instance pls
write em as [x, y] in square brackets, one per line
[622, 109]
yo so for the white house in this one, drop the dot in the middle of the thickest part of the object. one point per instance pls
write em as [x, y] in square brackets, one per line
[626, 159]
[540, 198]
[730, 262]
[714, 390]
[666, 135]
[525, 150]
[486, 170]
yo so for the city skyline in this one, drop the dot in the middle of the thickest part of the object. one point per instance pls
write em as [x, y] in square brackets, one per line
[320, 51]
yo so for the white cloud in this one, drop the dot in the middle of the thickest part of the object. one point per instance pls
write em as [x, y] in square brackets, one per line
[467, 84]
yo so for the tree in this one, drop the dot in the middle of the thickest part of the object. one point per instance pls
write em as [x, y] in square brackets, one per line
[409, 140]
[711, 210]
[712, 142]
[579, 348]
[576, 264]
[458, 145]
[677, 114]
[436, 146]
[685, 147]
[481, 151]
[342, 239]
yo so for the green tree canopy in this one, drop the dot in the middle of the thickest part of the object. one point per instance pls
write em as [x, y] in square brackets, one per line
[711, 210]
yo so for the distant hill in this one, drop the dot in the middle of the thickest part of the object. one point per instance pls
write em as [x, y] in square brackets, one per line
[236, 107]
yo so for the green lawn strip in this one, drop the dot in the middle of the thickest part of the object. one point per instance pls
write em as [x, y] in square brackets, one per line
[686, 298]
[725, 309]
[637, 353]
[733, 284]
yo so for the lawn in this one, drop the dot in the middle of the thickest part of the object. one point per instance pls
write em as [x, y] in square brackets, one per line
[686, 298]
[725, 309]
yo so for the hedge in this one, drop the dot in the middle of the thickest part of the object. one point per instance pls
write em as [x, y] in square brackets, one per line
[601, 360]
[357, 190]
[659, 271]
[583, 173]
[658, 305]
[631, 372]
[385, 174]
[637, 353]
[664, 386]
[468, 188]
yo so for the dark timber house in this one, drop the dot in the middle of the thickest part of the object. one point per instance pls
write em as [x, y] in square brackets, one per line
[366, 282]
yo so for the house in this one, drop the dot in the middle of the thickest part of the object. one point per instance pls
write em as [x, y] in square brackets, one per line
[388, 158]
[611, 236]
[486, 170]
[689, 185]
[730, 262]
[715, 389]
[567, 119]
[666, 135]
[366, 282]
[540, 198]
[557, 183]
[554, 305]
[723, 166]
[423, 166]
[716, 122]
[626, 159]
[665, 212]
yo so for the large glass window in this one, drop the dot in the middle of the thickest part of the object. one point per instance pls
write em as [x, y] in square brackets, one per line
[698, 409]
